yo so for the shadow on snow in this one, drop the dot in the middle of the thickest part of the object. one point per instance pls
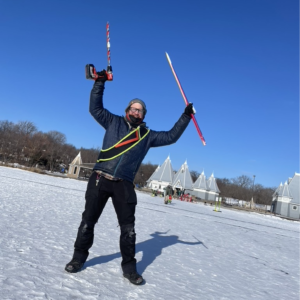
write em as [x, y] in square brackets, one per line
[151, 249]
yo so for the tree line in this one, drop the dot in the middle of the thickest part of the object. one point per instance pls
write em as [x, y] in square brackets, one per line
[23, 143]
[242, 188]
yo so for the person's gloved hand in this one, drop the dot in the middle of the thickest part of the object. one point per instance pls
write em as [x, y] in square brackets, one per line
[189, 110]
[102, 76]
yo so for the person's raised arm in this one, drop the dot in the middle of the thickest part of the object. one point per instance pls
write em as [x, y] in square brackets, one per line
[163, 138]
[97, 110]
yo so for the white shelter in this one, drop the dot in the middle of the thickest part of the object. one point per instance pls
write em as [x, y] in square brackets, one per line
[212, 188]
[183, 179]
[200, 187]
[162, 176]
[286, 199]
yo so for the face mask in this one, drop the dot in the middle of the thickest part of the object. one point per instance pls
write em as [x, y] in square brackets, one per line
[134, 120]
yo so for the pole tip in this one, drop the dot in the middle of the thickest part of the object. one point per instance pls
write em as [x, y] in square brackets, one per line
[168, 57]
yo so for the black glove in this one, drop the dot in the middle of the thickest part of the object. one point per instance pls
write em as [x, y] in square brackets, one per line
[102, 76]
[189, 110]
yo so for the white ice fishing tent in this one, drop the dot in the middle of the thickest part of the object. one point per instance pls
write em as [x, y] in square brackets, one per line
[183, 179]
[162, 176]
[153, 176]
[212, 188]
[286, 199]
[203, 188]
[200, 187]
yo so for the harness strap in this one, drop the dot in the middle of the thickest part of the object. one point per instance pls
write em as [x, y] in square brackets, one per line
[124, 145]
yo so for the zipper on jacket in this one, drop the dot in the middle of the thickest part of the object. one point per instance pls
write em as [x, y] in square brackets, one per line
[122, 154]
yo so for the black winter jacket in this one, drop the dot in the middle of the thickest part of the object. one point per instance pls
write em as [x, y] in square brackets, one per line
[127, 165]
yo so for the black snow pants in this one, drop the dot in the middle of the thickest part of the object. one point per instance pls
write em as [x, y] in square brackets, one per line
[124, 201]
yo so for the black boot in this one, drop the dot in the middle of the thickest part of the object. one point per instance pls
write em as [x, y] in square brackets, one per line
[134, 278]
[74, 266]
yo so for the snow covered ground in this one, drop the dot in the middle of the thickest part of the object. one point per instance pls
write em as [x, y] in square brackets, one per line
[184, 251]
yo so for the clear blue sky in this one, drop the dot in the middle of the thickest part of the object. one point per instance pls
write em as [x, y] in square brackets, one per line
[238, 62]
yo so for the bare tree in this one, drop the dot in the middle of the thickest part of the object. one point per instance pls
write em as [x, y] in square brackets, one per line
[144, 173]
[89, 155]
[54, 150]
[243, 181]
[69, 152]
[24, 131]
[36, 148]
[7, 140]
[194, 175]
[242, 188]
[263, 195]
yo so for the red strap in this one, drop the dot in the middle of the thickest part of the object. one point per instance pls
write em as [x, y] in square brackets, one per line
[129, 141]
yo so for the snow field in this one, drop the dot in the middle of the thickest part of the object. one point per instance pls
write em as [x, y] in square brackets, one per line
[184, 250]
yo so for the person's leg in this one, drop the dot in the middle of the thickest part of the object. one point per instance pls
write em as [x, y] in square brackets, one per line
[96, 198]
[124, 201]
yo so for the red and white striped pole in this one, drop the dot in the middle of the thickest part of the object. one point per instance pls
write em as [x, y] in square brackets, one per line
[185, 100]
[109, 68]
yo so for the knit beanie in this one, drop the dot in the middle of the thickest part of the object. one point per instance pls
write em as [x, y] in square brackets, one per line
[136, 100]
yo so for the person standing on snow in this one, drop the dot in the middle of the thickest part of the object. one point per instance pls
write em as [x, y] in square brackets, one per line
[125, 144]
